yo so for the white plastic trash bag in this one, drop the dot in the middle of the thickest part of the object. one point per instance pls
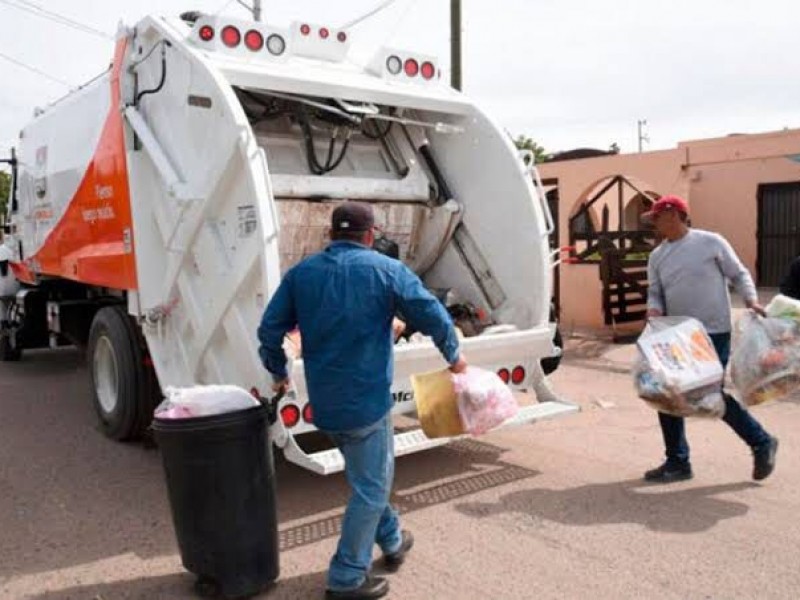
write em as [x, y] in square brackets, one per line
[784, 307]
[484, 401]
[203, 401]
[765, 365]
[678, 371]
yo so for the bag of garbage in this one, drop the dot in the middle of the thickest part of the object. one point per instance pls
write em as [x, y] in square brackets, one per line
[484, 401]
[677, 371]
[765, 365]
[203, 401]
[784, 307]
[437, 404]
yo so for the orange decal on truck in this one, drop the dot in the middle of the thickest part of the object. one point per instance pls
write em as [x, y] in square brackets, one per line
[93, 241]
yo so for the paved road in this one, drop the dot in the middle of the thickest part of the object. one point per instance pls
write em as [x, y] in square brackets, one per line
[554, 510]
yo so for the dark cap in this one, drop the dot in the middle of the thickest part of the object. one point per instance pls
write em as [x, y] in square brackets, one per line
[355, 217]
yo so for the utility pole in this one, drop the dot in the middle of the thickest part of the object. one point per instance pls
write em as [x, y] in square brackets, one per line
[455, 44]
[255, 9]
[643, 137]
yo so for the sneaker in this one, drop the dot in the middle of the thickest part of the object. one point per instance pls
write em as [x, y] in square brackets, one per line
[668, 473]
[373, 587]
[393, 561]
[764, 459]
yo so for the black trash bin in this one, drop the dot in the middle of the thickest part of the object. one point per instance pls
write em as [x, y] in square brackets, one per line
[221, 480]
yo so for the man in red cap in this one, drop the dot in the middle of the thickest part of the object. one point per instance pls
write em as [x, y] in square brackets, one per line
[688, 275]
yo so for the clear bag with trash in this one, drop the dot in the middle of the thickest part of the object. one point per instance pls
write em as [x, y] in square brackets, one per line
[473, 402]
[765, 365]
[203, 401]
[677, 370]
[484, 401]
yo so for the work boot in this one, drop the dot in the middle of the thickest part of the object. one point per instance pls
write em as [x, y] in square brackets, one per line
[669, 473]
[393, 561]
[764, 459]
[373, 587]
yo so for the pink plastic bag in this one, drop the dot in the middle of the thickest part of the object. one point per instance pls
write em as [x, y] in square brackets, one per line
[484, 401]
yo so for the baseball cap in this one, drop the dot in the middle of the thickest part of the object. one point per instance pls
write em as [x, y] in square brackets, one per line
[667, 203]
[352, 216]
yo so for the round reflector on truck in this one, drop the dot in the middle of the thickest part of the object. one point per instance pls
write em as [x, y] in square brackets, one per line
[428, 70]
[276, 44]
[206, 33]
[290, 415]
[254, 40]
[518, 375]
[504, 375]
[394, 65]
[411, 67]
[231, 36]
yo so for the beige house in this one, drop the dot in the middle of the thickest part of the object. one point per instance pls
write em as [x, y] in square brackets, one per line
[746, 187]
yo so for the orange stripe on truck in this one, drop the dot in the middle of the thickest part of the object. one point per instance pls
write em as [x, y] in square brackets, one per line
[93, 241]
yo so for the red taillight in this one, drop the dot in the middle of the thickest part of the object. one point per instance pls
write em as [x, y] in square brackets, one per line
[231, 36]
[254, 40]
[518, 375]
[411, 67]
[324, 33]
[290, 415]
[428, 70]
[308, 414]
[206, 33]
[305, 29]
[504, 375]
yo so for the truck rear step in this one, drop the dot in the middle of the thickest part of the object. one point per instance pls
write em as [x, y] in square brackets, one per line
[328, 462]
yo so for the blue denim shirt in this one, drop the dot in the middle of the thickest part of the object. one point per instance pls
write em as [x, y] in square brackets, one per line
[344, 300]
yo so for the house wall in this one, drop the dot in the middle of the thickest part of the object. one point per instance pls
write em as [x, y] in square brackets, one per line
[718, 177]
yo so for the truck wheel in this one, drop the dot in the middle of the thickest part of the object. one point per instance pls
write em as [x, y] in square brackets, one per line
[550, 364]
[8, 352]
[120, 390]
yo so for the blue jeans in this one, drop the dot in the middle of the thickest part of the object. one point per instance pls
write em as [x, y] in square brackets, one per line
[736, 416]
[369, 518]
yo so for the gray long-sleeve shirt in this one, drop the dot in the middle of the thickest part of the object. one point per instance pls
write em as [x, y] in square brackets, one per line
[689, 278]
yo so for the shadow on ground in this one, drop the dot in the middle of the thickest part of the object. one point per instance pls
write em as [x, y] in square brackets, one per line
[180, 587]
[69, 496]
[674, 510]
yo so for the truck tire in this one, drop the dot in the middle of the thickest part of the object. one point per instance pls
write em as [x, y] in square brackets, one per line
[550, 364]
[121, 392]
[8, 352]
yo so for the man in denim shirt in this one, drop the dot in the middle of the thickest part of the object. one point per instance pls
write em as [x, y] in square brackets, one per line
[344, 300]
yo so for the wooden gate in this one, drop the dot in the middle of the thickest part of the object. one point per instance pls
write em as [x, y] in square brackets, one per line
[624, 277]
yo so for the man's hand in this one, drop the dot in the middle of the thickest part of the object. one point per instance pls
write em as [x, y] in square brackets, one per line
[653, 313]
[459, 366]
[282, 387]
[398, 327]
[756, 307]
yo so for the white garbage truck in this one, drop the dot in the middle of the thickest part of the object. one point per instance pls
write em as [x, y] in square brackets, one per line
[155, 209]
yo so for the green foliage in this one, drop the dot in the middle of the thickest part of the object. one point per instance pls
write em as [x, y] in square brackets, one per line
[5, 190]
[523, 142]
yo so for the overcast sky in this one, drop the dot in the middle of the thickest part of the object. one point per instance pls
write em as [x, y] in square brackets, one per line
[569, 73]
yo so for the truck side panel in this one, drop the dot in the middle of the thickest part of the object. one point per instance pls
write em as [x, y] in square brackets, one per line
[91, 237]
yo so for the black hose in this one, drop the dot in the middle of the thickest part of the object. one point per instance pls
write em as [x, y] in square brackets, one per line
[160, 85]
[311, 153]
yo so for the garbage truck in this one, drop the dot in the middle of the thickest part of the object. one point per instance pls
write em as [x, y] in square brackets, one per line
[155, 208]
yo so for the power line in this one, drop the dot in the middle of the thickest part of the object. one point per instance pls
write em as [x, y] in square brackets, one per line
[35, 70]
[43, 13]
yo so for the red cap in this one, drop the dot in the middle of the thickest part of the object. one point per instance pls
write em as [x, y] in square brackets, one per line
[667, 203]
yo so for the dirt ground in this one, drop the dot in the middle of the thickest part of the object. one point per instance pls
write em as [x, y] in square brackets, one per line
[551, 510]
